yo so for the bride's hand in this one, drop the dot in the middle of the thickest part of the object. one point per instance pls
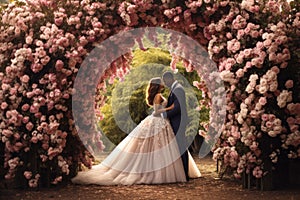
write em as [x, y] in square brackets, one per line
[168, 108]
[172, 106]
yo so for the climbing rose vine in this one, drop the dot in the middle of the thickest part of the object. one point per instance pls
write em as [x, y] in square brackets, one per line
[43, 44]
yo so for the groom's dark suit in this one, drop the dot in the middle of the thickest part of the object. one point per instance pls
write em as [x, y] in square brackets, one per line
[178, 118]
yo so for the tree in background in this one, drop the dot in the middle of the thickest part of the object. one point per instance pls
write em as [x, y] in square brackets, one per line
[126, 102]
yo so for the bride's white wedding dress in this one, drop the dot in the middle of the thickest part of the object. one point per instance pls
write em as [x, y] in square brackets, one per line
[148, 155]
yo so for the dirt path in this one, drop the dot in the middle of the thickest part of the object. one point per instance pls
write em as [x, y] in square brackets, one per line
[206, 187]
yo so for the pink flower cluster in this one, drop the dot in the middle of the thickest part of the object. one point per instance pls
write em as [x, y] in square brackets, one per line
[41, 63]
[293, 139]
[271, 125]
[229, 155]
[283, 98]
[268, 82]
[250, 6]
[253, 56]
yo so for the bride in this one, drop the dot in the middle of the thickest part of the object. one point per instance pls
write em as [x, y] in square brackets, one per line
[148, 155]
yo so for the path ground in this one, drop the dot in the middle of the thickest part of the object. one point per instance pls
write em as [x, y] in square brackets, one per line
[207, 188]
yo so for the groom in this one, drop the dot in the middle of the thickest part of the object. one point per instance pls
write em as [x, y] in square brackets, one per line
[178, 116]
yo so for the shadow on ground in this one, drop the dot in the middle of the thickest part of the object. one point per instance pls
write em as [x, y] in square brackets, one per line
[207, 187]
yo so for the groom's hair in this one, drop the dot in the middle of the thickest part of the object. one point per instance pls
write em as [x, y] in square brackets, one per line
[168, 75]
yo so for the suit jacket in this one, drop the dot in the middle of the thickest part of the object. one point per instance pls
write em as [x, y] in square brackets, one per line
[178, 115]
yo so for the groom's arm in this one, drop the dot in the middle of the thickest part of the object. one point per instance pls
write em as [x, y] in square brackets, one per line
[179, 99]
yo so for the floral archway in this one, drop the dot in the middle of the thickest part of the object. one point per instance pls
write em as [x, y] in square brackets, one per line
[43, 43]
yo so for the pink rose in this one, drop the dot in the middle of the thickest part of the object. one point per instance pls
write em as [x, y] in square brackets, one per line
[25, 120]
[58, 21]
[297, 121]
[240, 33]
[247, 52]
[283, 65]
[291, 121]
[259, 45]
[17, 136]
[272, 133]
[254, 34]
[37, 115]
[4, 105]
[176, 19]
[25, 78]
[13, 91]
[277, 129]
[34, 109]
[29, 126]
[34, 139]
[25, 107]
[275, 69]
[262, 100]
[239, 73]
[7, 133]
[229, 35]
[66, 96]
[272, 117]
[289, 84]
[265, 117]
[59, 65]
[269, 124]
[267, 42]
[28, 40]
[28, 174]
[294, 128]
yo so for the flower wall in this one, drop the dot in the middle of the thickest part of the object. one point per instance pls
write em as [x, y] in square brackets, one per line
[43, 43]
[257, 48]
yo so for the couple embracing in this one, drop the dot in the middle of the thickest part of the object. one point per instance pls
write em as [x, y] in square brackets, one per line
[156, 151]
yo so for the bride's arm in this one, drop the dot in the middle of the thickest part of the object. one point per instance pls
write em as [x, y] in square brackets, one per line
[158, 110]
[166, 109]
[157, 107]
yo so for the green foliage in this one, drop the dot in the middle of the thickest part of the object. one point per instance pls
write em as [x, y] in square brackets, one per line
[152, 55]
[126, 100]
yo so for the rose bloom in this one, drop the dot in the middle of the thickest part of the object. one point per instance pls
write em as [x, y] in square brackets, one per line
[272, 56]
[254, 34]
[4, 105]
[275, 69]
[273, 86]
[29, 126]
[262, 100]
[259, 45]
[269, 124]
[239, 73]
[265, 117]
[289, 84]
[297, 120]
[28, 40]
[294, 128]
[283, 65]
[25, 119]
[37, 115]
[28, 174]
[263, 89]
[272, 117]
[25, 78]
[34, 139]
[240, 33]
[291, 120]
[272, 133]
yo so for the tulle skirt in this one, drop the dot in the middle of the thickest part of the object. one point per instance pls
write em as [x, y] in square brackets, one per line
[148, 155]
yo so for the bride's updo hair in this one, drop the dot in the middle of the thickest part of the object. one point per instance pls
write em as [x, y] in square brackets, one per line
[153, 88]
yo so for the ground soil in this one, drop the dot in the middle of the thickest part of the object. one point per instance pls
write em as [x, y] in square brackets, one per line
[208, 187]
